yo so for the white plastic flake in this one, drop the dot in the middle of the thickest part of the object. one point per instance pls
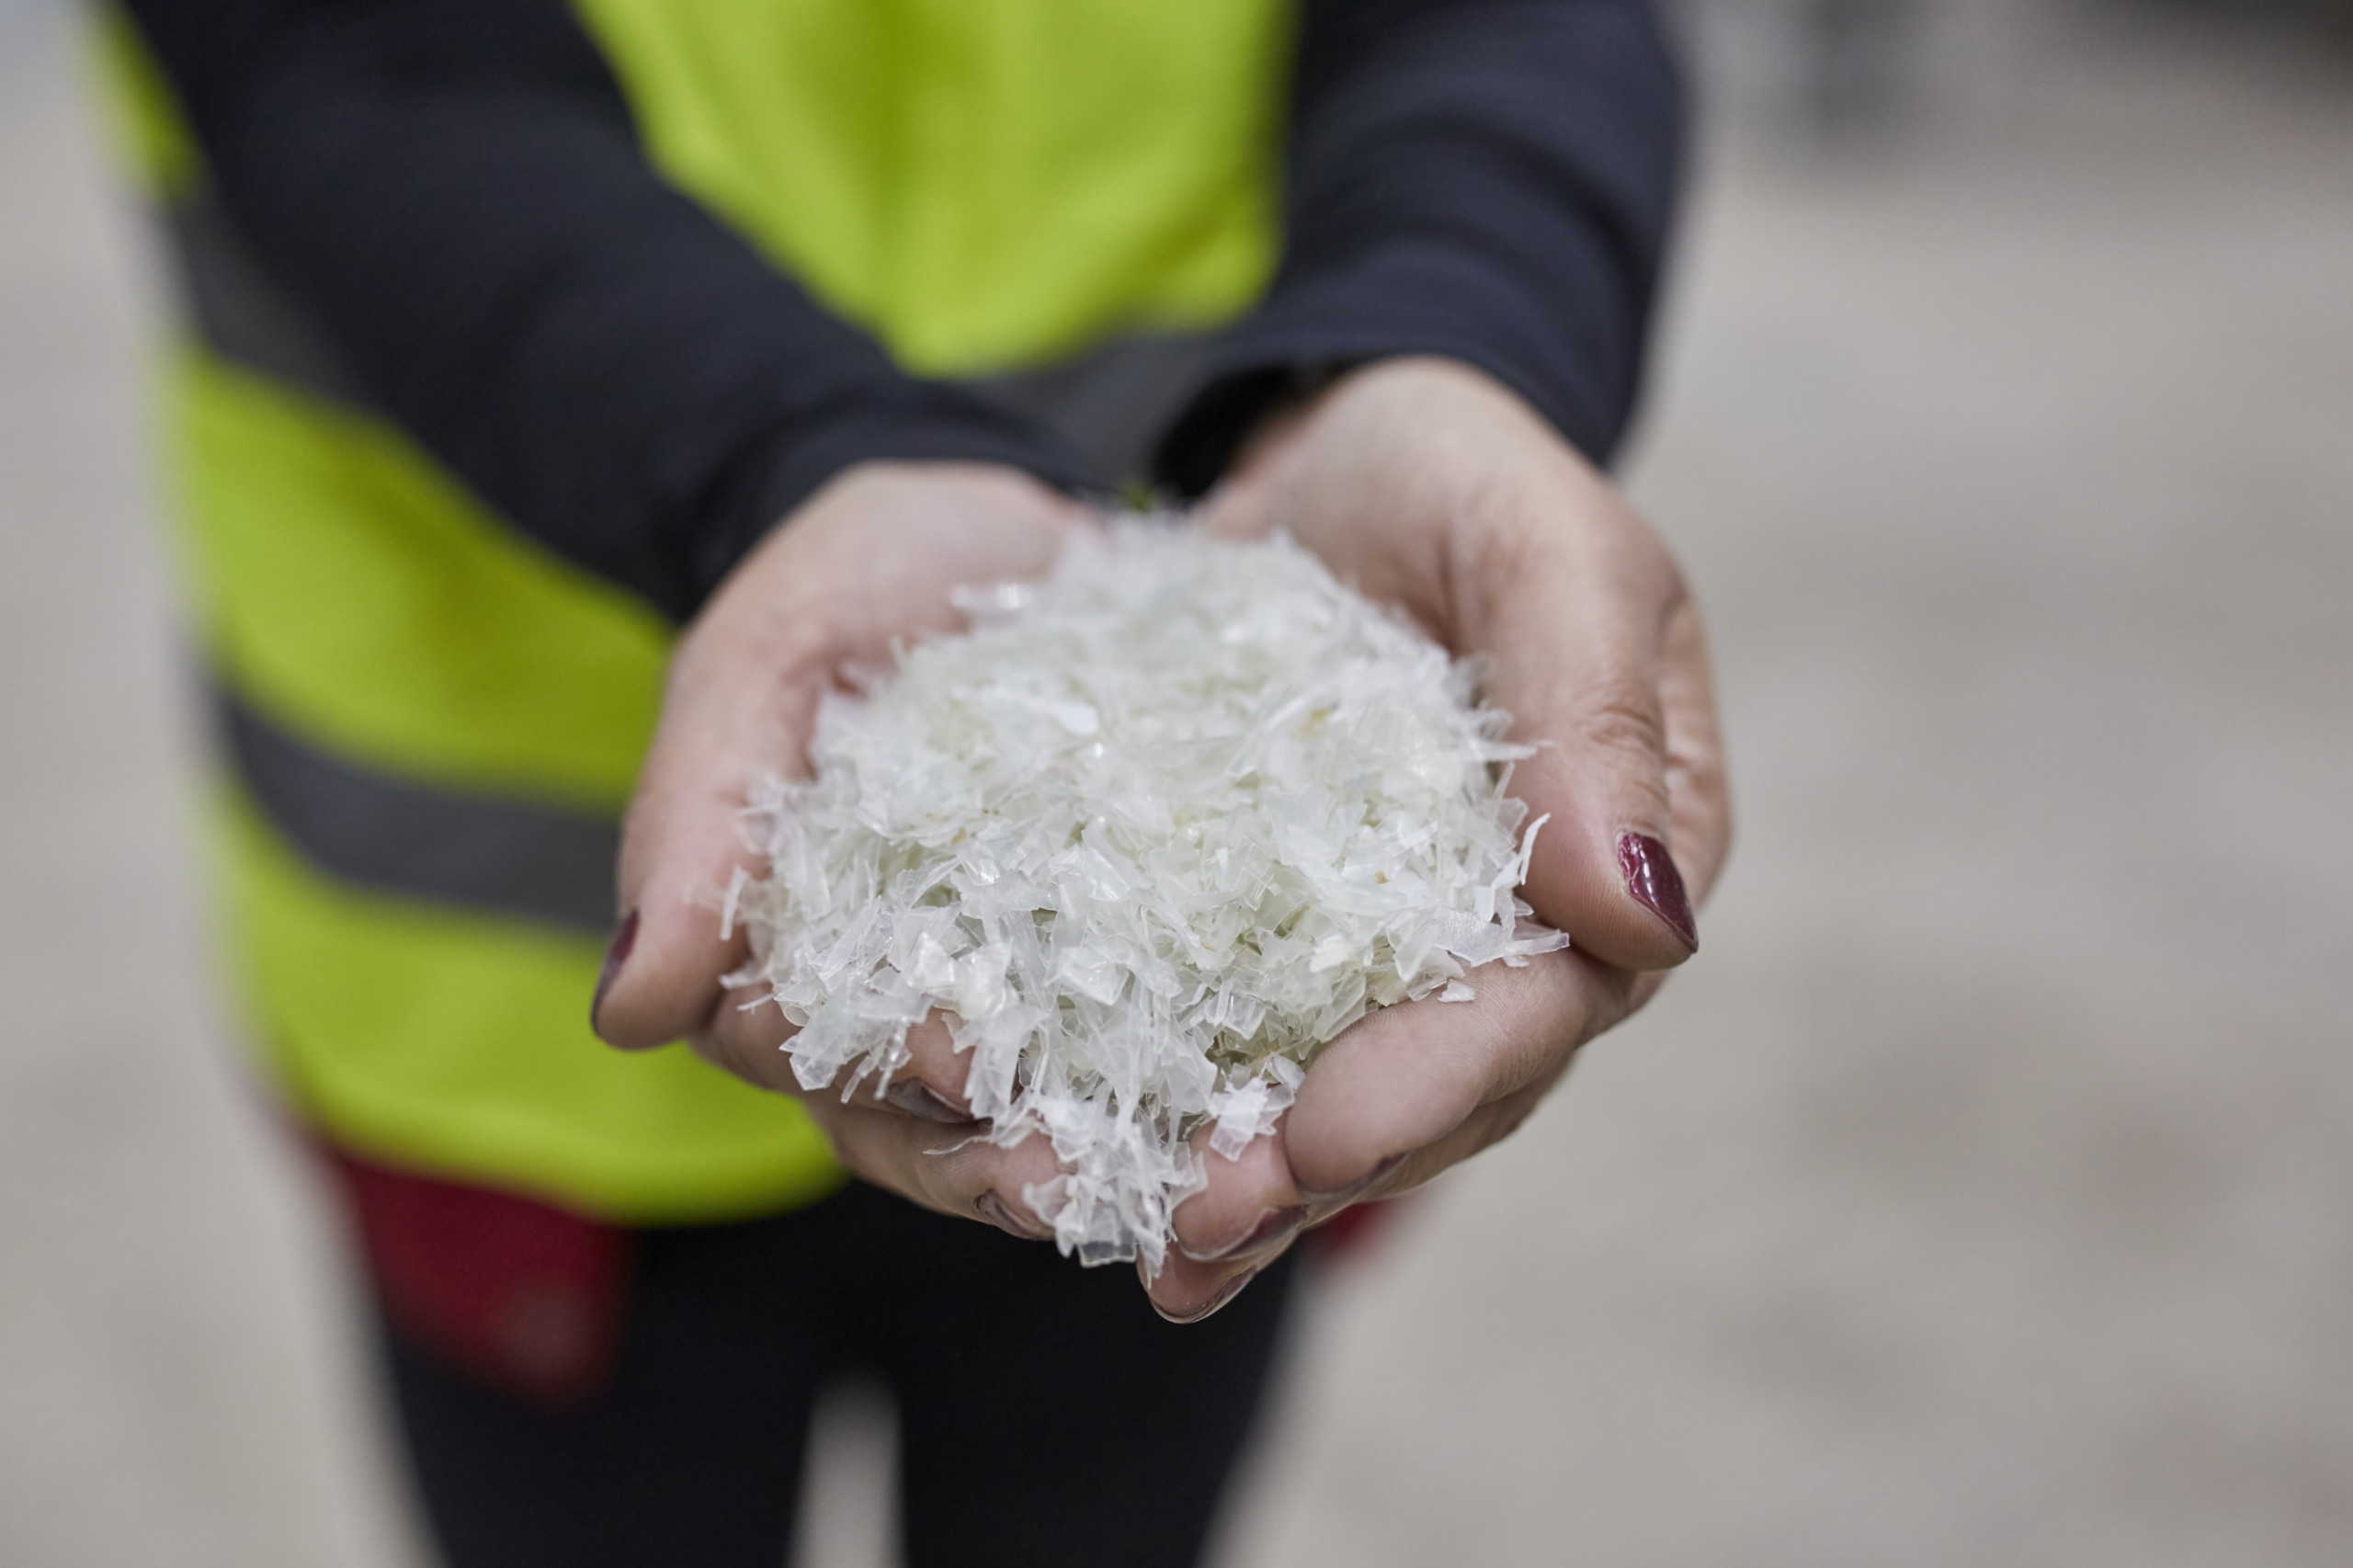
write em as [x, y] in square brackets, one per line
[1149, 834]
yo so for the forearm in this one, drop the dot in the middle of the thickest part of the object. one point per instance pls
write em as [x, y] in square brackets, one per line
[1491, 180]
[452, 191]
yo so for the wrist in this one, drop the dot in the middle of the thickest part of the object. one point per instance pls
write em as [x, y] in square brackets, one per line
[910, 425]
[869, 557]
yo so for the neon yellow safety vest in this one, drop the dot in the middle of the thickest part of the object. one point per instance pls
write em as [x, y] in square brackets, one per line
[432, 723]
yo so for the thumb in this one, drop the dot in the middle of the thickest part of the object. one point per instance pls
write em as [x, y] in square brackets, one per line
[867, 561]
[1577, 631]
[732, 716]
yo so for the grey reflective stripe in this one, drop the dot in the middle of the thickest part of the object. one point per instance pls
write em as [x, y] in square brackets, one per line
[241, 313]
[1112, 402]
[491, 854]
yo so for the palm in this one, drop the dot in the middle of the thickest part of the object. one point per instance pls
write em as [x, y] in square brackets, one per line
[1436, 491]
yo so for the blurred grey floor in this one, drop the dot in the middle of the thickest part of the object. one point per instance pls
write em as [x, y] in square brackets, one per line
[1985, 1192]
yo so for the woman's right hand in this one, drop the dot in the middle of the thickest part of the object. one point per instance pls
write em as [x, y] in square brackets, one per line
[867, 561]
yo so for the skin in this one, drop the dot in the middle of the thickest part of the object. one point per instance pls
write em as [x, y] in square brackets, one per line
[1426, 483]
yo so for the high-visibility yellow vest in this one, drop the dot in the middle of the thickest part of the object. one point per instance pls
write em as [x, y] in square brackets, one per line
[432, 723]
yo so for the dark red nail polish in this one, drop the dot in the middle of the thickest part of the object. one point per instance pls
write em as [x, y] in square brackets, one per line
[1274, 1225]
[616, 954]
[916, 1099]
[1000, 1213]
[1656, 885]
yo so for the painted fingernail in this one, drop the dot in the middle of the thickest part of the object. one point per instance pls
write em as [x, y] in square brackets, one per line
[616, 954]
[1274, 1225]
[1225, 1292]
[1000, 1213]
[1656, 885]
[1361, 1186]
[916, 1098]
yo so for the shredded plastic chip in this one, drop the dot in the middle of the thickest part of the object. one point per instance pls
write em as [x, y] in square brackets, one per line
[1149, 834]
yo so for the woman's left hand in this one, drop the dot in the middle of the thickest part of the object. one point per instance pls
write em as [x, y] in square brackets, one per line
[1430, 487]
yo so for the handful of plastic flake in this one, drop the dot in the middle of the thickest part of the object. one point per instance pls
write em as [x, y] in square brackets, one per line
[1149, 834]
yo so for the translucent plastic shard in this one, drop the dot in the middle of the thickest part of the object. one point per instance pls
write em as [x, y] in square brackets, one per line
[1149, 834]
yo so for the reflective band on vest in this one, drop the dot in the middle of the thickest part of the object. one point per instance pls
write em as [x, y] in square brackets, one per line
[441, 1041]
[432, 723]
[241, 314]
[516, 857]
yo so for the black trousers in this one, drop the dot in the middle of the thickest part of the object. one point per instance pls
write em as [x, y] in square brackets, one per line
[1046, 1416]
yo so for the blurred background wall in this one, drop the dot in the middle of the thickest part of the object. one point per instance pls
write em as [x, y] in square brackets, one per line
[1984, 1194]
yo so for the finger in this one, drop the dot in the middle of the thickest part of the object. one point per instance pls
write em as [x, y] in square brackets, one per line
[683, 844]
[1247, 1216]
[747, 1035]
[743, 695]
[1487, 1126]
[1574, 620]
[1186, 1292]
[1237, 508]
[1250, 1202]
[946, 1169]
[931, 1085]
[1408, 1076]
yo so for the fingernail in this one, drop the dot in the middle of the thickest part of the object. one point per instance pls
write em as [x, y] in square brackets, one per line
[916, 1098]
[1226, 1292]
[1656, 885]
[1274, 1225]
[1359, 1187]
[1000, 1213]
[616, 954]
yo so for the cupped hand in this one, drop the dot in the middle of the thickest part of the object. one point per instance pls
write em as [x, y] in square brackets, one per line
[1430, 487]
[867, 561]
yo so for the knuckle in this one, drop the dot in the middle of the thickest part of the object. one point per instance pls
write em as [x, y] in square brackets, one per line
[1521, 1036]
[953, 1182]
[1627, 735]
[1623, 719]
[1656, 574]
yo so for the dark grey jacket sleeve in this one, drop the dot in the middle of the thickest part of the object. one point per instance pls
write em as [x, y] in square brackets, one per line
[452, 191]
[1487, 179]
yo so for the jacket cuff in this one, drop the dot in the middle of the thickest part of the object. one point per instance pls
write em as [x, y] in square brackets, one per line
[1406, 300]
[917, 422]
